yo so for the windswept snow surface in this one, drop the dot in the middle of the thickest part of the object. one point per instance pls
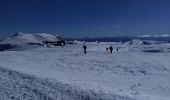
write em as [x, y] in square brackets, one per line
[65, 73]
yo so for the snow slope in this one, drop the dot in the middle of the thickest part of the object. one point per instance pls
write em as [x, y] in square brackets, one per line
[23, 38]
[130, 74]
[23, 41]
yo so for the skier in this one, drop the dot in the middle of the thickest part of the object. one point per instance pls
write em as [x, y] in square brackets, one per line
[107, 49]
[111, 49]
[84, 47]
[117, 49]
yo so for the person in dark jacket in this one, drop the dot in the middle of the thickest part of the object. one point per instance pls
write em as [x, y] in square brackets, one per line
[111, 49]
[107, 49]
[84, 48]
[117, 49]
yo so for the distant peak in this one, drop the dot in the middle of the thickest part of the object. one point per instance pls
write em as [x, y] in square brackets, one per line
[18, 33]
[162, 35]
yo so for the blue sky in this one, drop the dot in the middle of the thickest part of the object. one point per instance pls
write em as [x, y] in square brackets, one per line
[81, 18]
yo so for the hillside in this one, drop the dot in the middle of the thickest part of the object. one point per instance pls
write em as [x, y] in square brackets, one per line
[24, 41]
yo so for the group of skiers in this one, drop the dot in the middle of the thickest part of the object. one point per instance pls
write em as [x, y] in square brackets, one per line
[110, 49]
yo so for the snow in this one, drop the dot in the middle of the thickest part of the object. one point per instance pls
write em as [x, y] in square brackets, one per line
[65, 73]
[165, 35]
[155, 35]
[144, 36]
[23, 38]
[23, 41]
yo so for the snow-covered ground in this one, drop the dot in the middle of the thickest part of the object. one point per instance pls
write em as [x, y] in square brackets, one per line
[65, 73]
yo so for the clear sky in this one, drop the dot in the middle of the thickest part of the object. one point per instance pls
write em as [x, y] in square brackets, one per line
[80, 18]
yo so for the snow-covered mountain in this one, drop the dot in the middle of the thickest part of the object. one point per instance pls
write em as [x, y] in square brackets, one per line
[162, 35]
[22, 38]
[22, 41]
